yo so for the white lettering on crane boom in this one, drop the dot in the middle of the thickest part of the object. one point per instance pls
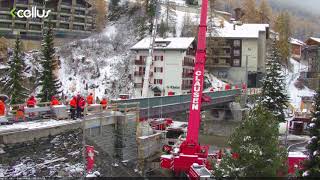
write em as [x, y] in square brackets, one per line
[196, 91]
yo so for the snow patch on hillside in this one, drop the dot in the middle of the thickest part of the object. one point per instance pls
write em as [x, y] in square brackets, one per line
[294, 93]
[179, 17]
[101, 63]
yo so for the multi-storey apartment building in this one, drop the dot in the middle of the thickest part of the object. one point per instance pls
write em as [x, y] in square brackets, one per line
[171, 69]
[311, 56]
[69, 18]
[237, 50]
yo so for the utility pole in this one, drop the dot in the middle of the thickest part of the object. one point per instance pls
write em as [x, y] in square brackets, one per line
[149, 59]
[246, 78]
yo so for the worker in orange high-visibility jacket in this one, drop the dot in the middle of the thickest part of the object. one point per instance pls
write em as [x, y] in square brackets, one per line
[90, 99]
[73, 107]
[54, 101]
[2, 108]
[81, 103]
[104, 103]
[31, 102]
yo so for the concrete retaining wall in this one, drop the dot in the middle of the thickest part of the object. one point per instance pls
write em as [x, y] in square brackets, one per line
[30, 135]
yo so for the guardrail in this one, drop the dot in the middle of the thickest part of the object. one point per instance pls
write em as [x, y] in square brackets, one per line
[177, 99]
[44, 110]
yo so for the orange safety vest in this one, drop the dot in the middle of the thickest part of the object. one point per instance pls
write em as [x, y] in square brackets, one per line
[90, 99]
[31, 102]
[104, 103]
[54, 102]
[73, 103]
[2, 108]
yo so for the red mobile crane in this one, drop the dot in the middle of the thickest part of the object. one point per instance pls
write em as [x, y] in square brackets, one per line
[190, 152]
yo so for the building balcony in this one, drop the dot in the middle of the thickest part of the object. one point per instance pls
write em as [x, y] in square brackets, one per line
[5, 10]
[138, 85]
[5, 20]
[80, 7]
[217, 62]
[79, 15]
[35, 21]
[225, 46]
[139, 73]
[187, 75]
[79, 23]
[38, 4]
[65, 13]
[66, 5]
[188, 63]
[222, 56]
[218, 65]
[139, 62]
[22, 5]
[5, 28]
[186, 86]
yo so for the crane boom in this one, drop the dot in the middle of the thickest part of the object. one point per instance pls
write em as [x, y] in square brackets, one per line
[190, 152]
[198, 78]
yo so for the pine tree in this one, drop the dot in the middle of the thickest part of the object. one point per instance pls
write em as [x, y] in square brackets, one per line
[50, 84]
[170, 14]
[312, 164]
[186, 29]
[113, 9]
[162, 29]
[13, 82]
[273, 95]
[256, 144]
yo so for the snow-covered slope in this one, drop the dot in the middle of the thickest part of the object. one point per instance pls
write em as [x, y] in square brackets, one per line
[294, 93]
[101, 63]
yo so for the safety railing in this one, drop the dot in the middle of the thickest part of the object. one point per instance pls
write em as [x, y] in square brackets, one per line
[44, 110]
[177, 99]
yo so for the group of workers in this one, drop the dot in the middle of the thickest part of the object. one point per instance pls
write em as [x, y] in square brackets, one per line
[77, 104]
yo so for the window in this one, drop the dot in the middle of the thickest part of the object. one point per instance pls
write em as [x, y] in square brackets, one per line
[20, 26]
[236, 43]
[78, 27]
[143, 58]
[4, 16]
[64, 26]
[78, 19]
[236, 62]
[79, 12]
[64, 18]
[35, 27]
[158, 58]
[65, 10]
[157, 94]
[236, 52]
[142, 69]
[158, 69]
[157, 81]
[5, 25]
